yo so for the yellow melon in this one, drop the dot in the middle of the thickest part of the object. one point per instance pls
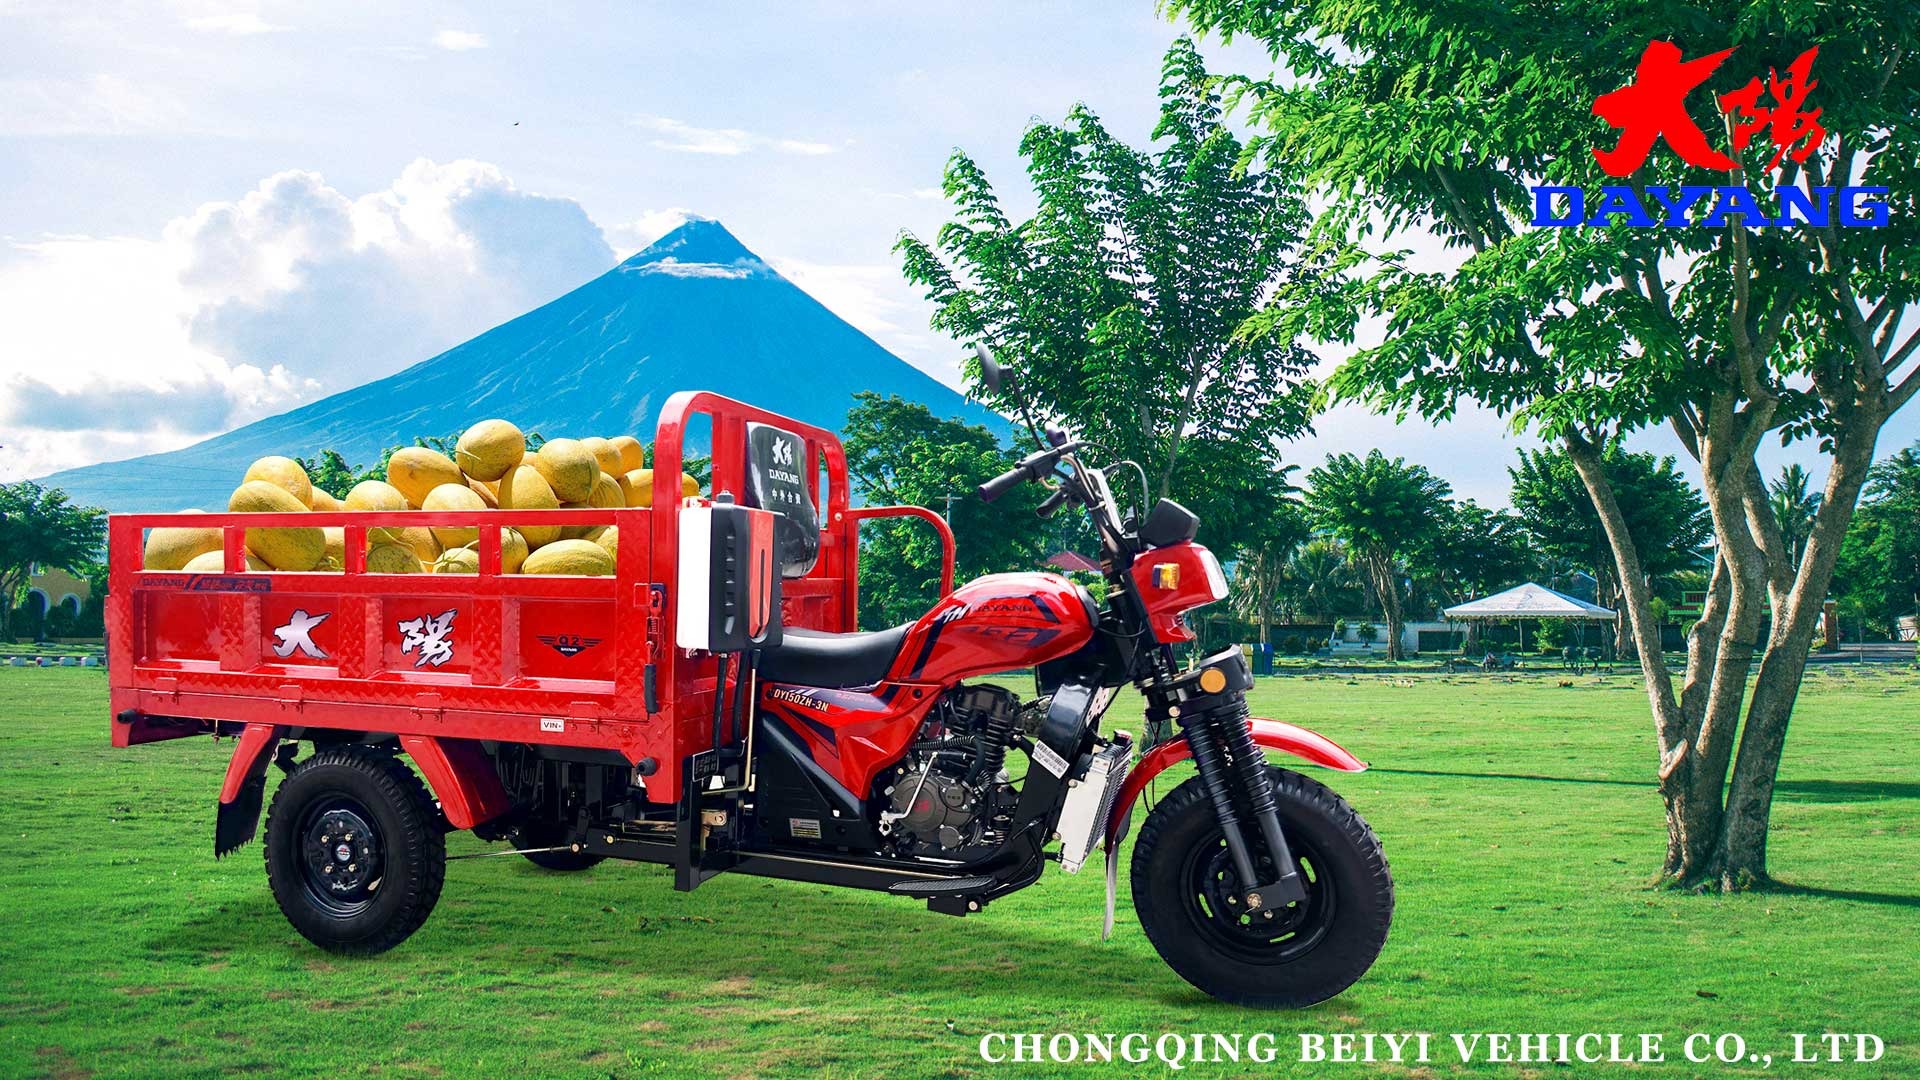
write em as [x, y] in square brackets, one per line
[608, 537]
[575, 532]
[460, 560]
[173, 549]
[523, 489]
[415, 471]
[324, 500]
[513, 551]
[215, 562]
[377, 495]
[392, 559]
[488, 492]
[583, 557]
[489, 449]
[568, 467]
[632, 454]
[457, 496]
[336, 556]
[640, 487]
[605, 454]
[282, 549]
[282, 472]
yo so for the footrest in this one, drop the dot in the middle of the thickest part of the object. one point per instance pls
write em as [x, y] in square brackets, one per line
[941, 886]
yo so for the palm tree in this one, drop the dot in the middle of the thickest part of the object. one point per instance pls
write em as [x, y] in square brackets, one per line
[1385, 511]
[1794, 508]
[1320, 579]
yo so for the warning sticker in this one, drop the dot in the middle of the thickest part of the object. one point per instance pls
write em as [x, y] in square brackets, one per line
[804, 828]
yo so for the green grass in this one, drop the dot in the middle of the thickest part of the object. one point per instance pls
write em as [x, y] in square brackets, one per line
[1517, 814]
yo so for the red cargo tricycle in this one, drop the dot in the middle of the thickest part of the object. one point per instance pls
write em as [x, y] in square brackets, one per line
[710, 708]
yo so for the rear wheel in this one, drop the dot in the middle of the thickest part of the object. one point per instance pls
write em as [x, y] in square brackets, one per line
[355, 851]
[535, 835]
[1190, 900]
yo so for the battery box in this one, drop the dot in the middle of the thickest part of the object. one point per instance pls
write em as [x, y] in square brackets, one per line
[729, 583]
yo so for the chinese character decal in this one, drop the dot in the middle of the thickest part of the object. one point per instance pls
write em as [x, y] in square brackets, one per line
[429, 635]
[298, 634]
[1784, 121]
[1653, 108]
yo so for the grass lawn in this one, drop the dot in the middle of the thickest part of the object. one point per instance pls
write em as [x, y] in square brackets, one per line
[1517, 814]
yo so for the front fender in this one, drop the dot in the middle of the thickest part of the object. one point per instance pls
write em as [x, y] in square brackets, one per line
[1270, 734]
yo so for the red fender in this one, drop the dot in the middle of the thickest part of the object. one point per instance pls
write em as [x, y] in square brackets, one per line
[1272, 734]
[462, 777]
[238, 816]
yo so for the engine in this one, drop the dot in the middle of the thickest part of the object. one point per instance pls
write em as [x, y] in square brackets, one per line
[951, 795]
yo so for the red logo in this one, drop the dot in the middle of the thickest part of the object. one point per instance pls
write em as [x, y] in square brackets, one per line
[1653, 108]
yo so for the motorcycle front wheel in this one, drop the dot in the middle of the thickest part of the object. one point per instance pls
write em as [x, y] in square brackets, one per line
[1190, 903]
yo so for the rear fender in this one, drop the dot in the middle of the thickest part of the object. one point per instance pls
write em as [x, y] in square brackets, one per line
[462, 777]
[1270, 734]
[238, 816]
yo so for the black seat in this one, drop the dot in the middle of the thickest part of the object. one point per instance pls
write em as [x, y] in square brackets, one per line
[815, 658]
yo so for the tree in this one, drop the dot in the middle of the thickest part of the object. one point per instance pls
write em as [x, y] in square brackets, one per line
[1122, 296]
[1384, 512]
[1724, 332]
[1663, 514]
[1795, 508]
[330, 472]
[1259, 577]
[1476, 551]
[899, 453]
[39, 527]
[1878, 574]
[1320, 580]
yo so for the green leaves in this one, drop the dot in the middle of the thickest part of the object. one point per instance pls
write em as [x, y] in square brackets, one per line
[1125, 298]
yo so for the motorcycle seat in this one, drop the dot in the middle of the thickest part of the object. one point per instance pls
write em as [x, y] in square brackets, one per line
[836, 661]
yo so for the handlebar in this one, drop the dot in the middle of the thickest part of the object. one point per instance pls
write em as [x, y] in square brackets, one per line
[1032, 467]
[1053, 502]
[1003, 483]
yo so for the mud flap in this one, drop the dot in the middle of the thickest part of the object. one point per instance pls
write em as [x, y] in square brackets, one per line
[1113, 870]
[238, 816]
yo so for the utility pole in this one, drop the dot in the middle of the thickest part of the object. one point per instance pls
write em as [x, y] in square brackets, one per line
[948, 515]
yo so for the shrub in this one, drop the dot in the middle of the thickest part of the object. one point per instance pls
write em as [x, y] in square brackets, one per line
[1292, 645]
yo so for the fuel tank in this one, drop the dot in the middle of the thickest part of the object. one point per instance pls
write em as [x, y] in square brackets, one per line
[994, 623]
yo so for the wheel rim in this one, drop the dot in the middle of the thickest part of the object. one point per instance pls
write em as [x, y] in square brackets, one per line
[1215, 904]
[342, 858]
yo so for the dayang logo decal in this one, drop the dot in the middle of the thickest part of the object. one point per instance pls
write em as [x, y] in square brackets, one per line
[1652, 108]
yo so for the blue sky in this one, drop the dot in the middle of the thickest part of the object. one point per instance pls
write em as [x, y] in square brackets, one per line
[212, 212]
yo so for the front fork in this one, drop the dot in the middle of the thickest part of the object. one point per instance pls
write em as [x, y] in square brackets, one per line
[1209, 702]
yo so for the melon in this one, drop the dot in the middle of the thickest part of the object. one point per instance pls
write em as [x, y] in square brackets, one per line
[282, 549]
[582, 557]
[461, 560]
[608, 537]
[173, 549]
[324, 500]
[513, 551]
[640, 487]
[336, 556]
[415, 471]
[489, 449]
[377, 495]
[568, 467]
[456, 496]
[632, 454]
[392, 559]
[523, 489]
[605, 454]
[215, 562]
[488, 492]
[575, 532]
[419, 540]
[282, 472]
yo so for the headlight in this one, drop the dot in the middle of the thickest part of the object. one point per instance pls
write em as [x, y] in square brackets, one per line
[1216, 578]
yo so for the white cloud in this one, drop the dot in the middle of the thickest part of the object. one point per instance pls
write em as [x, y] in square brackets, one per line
[628, 237]
[683, 138]
[88, 105]
[878, 301]
[237, 23]
[459, 40]
[241, 309]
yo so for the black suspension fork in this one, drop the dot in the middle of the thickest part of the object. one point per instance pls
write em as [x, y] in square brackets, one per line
[1210, 704]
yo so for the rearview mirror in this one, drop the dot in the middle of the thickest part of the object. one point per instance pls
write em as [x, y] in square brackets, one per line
[992, 375]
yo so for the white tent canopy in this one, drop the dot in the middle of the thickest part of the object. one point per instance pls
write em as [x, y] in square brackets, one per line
[1529, 601]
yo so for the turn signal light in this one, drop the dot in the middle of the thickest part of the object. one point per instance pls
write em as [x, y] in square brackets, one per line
[1166, 575]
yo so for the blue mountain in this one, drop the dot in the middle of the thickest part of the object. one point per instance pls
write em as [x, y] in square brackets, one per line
[696, 311]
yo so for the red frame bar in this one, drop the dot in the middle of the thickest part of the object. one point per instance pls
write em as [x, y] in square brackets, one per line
[939, 526]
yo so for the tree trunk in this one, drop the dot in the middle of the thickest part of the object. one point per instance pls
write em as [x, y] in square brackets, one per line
[1380, 568]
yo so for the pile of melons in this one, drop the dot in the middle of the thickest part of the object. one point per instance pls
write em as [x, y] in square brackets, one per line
[491, 469]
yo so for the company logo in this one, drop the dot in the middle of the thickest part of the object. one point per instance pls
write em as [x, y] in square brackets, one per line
[429, 636]
[782, 451]
[1652, 109]
[298, 634]
[568, 644]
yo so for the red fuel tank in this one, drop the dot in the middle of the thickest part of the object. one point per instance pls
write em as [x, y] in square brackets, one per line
[995, 623]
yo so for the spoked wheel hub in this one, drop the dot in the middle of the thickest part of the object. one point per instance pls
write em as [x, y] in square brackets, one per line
[342, 856]
[1217, 904]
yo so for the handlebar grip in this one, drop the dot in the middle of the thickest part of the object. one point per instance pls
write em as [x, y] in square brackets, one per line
[1052, 503]
[1001, 484]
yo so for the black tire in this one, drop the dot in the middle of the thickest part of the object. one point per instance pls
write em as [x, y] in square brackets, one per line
[356, 851]
[1184, 892]
[542, 834]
